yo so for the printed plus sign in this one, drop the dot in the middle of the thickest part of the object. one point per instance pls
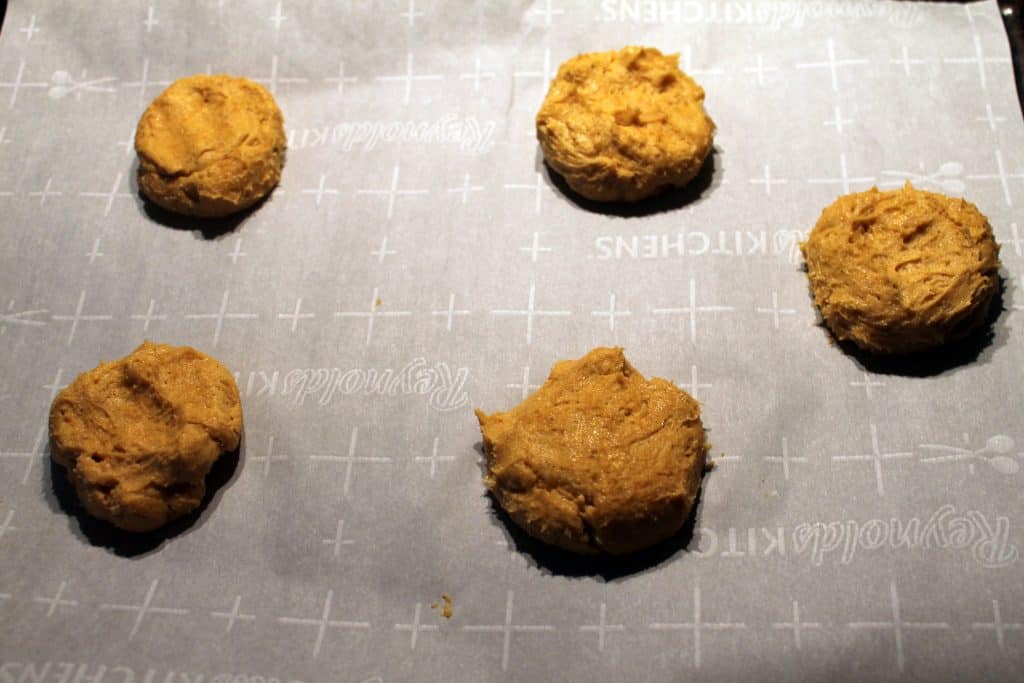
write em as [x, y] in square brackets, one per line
[990, 118]
[128, 143]
[234, 615]
[465, 189]
[341, 79]
[6, 525]
[602, 628]
[22, 318]
[611, 313]
[875, 457]
[525, 387]
[151, 20]
[409, 77]
[1017, 242]
[434, 458]
[698, 626]
[545, 74]
[296, 315]
[980, 59]
[237, 252]
[692, 310]
[111, 195]
[350, 459]
[338, 539]
[693, 386]
[531, 312]
[767, 180]
[144, 83]
[411, 13]
[535, 249]
[998, 626]
[56, 601]
[393, 193]
[45, 192]
[269, 458]
[837, 120]
[381, 252]
[19, 82]
[785, 459]
[143, 609]
[867, 383]
[415, 628]
[319, 191]
[372, 314]
[30, 29]
[477, 74]
[220, 316]
[690, 69]
[537, 187]
[905, 61]
[39, 444]
[832, 64]
[80, 317]
[1001, 175]
[775, 311]
[507, 629]
[796, 626]
[272, 81]
[548, 12]
[844, 180]
[95, 252]
[277, 18]
[323, 623]
[759, 69]
[4, 140]
[450, 312]
[898, 625]
[148, 316]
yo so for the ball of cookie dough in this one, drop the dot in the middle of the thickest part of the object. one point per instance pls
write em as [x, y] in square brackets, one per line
[902, 271]
[210, 146]
[623, 126]
[599, 459]
[138, 436]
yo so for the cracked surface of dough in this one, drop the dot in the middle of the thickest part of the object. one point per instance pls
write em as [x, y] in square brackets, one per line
[599, 459]
[210, 146]
[624, 125]
[138, 436]
[902, 271]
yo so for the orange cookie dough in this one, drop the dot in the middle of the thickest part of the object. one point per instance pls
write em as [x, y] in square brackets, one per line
[139, 435]
[210, 146]
[599, 459]
[622, 126]
[902, 271]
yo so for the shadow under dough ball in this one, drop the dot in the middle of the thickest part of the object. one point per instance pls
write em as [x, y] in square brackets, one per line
[138, 436]
[902, 271]
[210, 146]
[598, 459]
[624, 125]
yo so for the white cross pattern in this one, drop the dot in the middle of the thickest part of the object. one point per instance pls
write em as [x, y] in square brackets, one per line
[220, 316]
[338, 539]
[692, 310]
[548, 12]
[980, 59]
[372, 313]
[296, 315]
[775, 311]
[277, 18]
[409, 77]
[111, 195]
[341, 79]
[56, 601]
[150, 20]
[434, 458]
[450, 312]
[1001, 175]
[234, 615]
[602, 628]
[6, 526]
[1017, 241]
[30, 29]
[785, 459]
[477, 74]
[415, 628]
[905, 61]
[759, 69]
[19, 82]
[837, 120]
[4, 140]
[898, 625]
[507, 629]
[274, 79]
[39, 445]
[832, 64]
[45, 192]
[382, 252]
[269, 458]
[350, 459]
[537, 187]
[149, 316]
[531, 312]
[796, 626]
[237, 252]
[525, 385]
[323, 623]
[534, 249]
[411, 13]
[844, 178]
[142, 610]
[545, 74]
[466, 188]
[320, 190]
[767, 180]
[698, 626]
[611, 313]
[79, 317]
[689, 69]
[998, 626]
[144, 83]
[867, 383]
[23, 318]
[876, 457]
[393, 193]
[95, 252]
[693, 386]
[990, 118]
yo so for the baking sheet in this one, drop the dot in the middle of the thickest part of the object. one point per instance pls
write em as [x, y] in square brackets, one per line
[863, 520]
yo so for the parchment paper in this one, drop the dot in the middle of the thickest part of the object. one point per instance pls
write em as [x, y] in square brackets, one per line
[863, 521]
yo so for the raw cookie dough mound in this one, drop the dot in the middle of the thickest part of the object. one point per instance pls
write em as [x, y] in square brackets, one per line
[622, 126]
[210, 146]
[599, 459]
[138, 435]
[902, 271]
